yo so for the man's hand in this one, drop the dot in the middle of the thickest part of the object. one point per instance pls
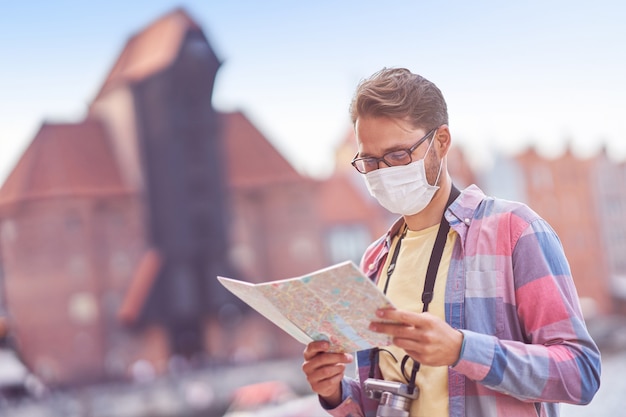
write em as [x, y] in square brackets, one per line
[324, 371]
[425, 338]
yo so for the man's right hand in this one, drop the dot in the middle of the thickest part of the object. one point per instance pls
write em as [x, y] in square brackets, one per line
[324, 371]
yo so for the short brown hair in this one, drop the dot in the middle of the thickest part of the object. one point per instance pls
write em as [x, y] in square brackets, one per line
[400, 94]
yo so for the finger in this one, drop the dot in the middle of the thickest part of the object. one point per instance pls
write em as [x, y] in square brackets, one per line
[324, 359]
[314, 348]
[400, 316]
[412, 347]
[392, 329]
[326, 373]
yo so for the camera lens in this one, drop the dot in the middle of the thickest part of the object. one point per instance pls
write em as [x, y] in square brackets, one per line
[393, 405]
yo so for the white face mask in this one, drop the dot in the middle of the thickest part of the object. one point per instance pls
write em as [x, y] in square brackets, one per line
[402, 189]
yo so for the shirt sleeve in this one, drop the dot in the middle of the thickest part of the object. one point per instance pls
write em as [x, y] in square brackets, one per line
[557, 360]
[350, 405]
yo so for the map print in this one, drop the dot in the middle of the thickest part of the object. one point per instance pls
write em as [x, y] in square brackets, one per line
[335, 304]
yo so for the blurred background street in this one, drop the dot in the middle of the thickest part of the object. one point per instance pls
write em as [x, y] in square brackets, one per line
[278, 388]
[272, 389]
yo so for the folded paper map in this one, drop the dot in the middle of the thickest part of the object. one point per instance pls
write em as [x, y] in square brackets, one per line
[335, 304]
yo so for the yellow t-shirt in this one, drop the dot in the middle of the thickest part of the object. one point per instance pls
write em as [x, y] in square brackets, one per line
[405, 292]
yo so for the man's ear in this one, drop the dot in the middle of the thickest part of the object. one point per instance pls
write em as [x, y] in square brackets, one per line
[443, 140]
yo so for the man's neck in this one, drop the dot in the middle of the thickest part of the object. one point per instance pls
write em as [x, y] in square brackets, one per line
[432, 213]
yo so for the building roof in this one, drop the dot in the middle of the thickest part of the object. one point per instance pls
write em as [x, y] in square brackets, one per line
[64, 160]
[150, 50]
[251, 159]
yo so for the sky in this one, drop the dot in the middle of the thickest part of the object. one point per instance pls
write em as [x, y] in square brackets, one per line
[548, 73]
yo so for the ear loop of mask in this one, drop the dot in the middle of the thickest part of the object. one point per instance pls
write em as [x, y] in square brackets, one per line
[440, 163]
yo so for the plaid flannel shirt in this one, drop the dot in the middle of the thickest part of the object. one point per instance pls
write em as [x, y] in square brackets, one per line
[510, 291]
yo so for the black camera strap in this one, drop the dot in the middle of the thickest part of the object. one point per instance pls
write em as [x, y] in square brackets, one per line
[429, 283]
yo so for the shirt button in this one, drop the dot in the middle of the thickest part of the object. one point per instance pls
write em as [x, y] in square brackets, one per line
[371, 266]
[467, 221]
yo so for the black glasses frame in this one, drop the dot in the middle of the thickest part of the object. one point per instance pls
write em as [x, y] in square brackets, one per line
[371, 160]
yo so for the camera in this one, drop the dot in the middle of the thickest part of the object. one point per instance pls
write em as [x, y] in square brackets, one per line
[394, 398]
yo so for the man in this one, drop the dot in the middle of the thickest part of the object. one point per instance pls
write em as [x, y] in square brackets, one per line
[503, 334]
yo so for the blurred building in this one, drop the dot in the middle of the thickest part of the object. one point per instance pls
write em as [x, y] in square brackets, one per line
[275, 228]
[71, 234]
[113, 230]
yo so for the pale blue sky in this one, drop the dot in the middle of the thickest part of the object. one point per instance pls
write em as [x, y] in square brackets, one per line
[513, 73]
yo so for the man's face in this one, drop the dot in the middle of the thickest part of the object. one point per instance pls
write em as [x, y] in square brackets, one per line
[377, 136]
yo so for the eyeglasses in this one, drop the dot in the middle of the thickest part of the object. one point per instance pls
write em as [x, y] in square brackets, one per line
[393, 158]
